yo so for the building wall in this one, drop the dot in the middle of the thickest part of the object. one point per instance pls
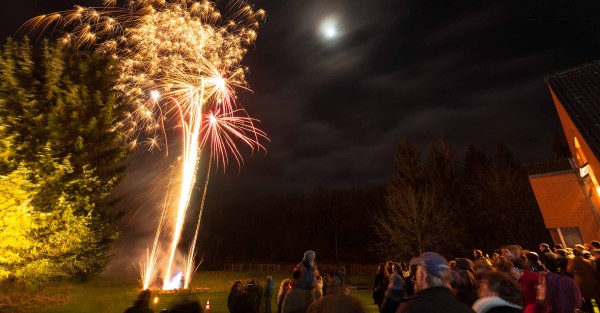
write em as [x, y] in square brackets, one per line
[564, 204]
[571, 133]
[564, 198]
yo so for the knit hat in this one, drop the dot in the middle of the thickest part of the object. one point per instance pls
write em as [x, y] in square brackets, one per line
[434, 263]
[309, 255]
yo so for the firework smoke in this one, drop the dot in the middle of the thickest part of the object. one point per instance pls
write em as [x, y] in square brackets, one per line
[179, 65]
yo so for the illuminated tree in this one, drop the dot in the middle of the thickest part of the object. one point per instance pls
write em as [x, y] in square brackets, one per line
[60, 161]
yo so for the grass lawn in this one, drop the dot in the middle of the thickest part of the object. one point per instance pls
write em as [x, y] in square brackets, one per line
[114, 295]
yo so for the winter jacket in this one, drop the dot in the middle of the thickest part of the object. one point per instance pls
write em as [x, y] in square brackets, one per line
[139, 306]
[529, 280]
[380, 284]
[269, 289]
[298, 300]
[307, 275]
[433, 300]
[392, 300]
[586, 277]
[548, 258]
[562, 294]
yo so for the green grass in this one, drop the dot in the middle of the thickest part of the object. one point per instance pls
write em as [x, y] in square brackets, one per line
[116, 294]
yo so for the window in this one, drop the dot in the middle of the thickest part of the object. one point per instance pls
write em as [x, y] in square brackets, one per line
[569, 236]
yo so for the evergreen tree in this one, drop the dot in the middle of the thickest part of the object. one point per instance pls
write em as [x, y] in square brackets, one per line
[499, 200]
[419, 202]
[407, 167]
[57, 117]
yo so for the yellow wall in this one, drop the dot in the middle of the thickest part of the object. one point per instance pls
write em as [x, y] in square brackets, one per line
[563, 203]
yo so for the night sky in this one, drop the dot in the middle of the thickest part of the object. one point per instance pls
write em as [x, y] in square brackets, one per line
[336, 108]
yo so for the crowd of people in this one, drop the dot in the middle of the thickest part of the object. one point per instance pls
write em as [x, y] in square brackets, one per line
[551, 280]
[297, 294]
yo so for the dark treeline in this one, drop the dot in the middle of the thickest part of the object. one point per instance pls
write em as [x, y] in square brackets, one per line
[278, 228]
[432, 202]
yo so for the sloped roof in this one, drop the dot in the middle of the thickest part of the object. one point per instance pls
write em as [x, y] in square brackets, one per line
[578, 90]
[550, 166]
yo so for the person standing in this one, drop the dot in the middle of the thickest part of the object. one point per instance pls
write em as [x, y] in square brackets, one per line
[498, 292]
[142, 303]
[234, 297]
[586, 277]
[269, 294]
[283, 289]
[529, 282]
[302, 293]
[254, 291]
[433, 290]
[380, 284]
[548, 258]
[559, 293]
[393, 295]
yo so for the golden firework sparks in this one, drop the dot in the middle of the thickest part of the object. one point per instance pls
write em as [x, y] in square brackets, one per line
[177, 60]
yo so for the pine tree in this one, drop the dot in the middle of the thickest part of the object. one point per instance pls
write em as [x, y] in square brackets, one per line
[498, 198]
[57, 115]
[407, 167]
[419, 203]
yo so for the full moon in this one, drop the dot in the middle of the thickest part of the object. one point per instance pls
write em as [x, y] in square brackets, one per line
[329, 29]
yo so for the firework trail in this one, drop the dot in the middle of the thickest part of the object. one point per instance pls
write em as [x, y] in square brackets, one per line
[222, 131]
[177, 60]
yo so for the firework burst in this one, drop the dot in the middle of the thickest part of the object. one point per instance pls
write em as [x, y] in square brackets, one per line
[179, 64]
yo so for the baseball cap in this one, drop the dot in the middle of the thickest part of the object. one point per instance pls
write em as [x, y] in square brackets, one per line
[433, 263]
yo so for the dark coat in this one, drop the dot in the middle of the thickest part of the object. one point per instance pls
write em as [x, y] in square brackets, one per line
[586, 277]
[139, 306]
[254, 297]
[561, 266]
[562, 294]
[231, 301]
[380, 284]
[269, 289]
[391, 301]
[433, 300]
[548, 258]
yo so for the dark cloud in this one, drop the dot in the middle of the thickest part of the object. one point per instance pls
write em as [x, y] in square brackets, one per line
[468, 72]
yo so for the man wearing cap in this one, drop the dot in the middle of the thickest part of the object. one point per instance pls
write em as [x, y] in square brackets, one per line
[433, 288]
